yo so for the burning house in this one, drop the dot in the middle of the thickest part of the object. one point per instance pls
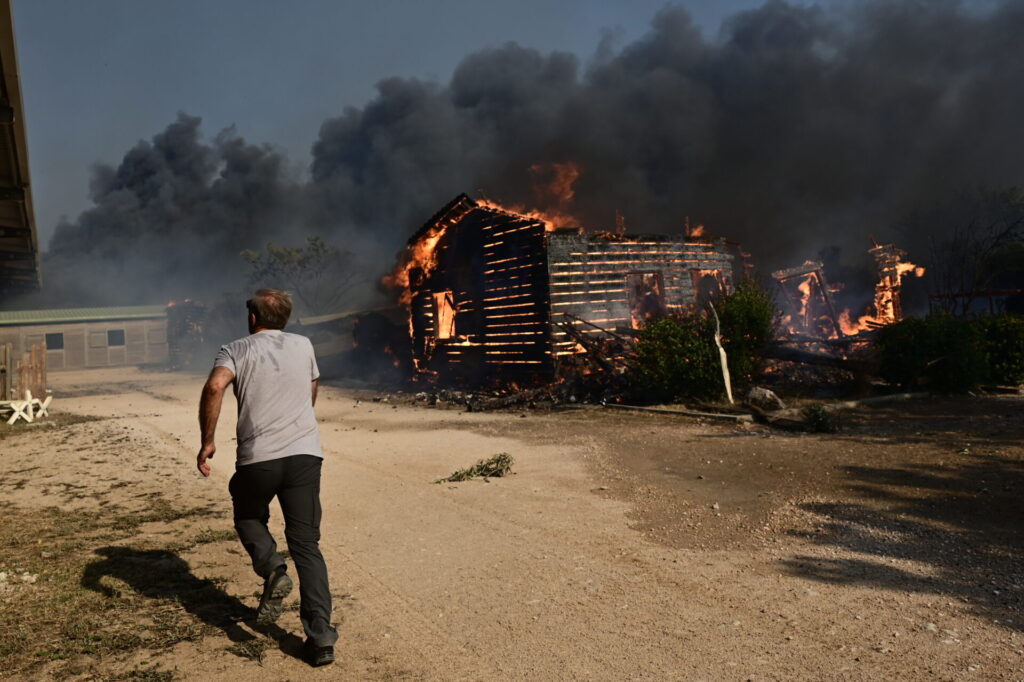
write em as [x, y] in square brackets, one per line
[493, 293]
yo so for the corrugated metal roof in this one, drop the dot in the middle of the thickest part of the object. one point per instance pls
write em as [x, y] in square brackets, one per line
[19, 248]
[128, 312]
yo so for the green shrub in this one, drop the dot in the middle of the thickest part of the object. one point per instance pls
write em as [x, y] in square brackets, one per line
[1003, 338]
[676, 358]
[749, 318]
[941, 353]
[820, 420]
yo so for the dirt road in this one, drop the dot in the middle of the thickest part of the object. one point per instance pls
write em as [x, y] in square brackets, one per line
[624, 546]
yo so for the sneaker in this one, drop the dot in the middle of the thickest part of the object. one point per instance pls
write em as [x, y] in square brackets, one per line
[317, 656]
[275, 588]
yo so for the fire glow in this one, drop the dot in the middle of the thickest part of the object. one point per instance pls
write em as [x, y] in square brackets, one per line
[815, 313]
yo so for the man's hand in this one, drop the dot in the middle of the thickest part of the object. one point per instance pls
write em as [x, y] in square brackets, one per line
[209, 411]
[205, 453]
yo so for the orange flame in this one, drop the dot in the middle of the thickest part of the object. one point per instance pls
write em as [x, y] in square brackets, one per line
[805, 294]
[795, 323]
[886, 304]
[560, 178]
[552, 219]
[558, 190]
[423, 255]
[553, 187]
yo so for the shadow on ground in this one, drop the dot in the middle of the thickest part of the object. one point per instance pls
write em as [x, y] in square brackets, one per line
[962, 524]
[163, 575]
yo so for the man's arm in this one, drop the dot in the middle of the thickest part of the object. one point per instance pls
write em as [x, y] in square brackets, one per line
[209, 413]
[314, 392]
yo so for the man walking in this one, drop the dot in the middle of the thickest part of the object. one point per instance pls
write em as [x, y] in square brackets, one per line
[278, 454]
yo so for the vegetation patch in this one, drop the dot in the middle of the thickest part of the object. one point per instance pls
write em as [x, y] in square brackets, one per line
[208, 535]
[820, 419]
[1003, 338]
[71, 585]
[676, 359]
[946, 354]
[749, 319]
[253, 649]
[153, 673]
[57, 420]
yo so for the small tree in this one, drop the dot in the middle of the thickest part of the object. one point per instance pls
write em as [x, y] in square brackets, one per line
[978, 245]
[749, 320]
[318, 275]
[676, 358]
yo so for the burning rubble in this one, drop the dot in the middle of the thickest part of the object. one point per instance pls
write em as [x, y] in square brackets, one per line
[809, 297]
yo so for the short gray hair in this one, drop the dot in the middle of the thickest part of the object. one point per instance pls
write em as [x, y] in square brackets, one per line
[272, 308]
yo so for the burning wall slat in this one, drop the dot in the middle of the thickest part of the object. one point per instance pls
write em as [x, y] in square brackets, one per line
[590, 276]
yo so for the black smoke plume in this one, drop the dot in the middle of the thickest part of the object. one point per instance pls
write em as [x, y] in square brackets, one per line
[797, 128]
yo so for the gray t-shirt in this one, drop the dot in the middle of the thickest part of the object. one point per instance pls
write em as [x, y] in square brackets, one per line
[274, 372]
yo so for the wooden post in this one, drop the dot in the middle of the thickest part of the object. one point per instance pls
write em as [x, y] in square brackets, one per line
[34, 381]
[5, 372]
[721, 355]
[42, 373]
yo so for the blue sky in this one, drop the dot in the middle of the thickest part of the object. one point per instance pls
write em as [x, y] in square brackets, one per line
[99, 75]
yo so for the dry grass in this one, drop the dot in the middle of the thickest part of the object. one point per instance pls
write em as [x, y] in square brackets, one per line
[74, 586]
[253, 649]
[153, 673]
[59, 420]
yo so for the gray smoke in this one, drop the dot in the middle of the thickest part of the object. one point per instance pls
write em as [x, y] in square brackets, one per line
[795, 130]
[170, 220]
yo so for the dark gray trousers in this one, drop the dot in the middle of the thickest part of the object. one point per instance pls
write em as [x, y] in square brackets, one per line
[295, 481]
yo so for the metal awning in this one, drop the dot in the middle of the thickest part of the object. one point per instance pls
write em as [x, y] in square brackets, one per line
[10, 318]
[19, 247]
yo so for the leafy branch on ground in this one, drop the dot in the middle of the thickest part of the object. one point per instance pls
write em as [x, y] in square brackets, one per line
[495, 467]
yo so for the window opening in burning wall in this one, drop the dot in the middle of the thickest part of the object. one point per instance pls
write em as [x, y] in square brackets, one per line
[115, 337]
[707, 285]
[444, 315]
[646, 297]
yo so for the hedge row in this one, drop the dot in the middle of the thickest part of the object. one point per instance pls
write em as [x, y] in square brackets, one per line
[952, 355]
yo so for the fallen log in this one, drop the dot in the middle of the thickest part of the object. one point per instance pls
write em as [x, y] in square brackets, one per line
[790, 354]
[737, 418]
[791, 412]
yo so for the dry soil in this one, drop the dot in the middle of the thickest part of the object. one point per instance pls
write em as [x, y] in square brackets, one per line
[624, 545]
